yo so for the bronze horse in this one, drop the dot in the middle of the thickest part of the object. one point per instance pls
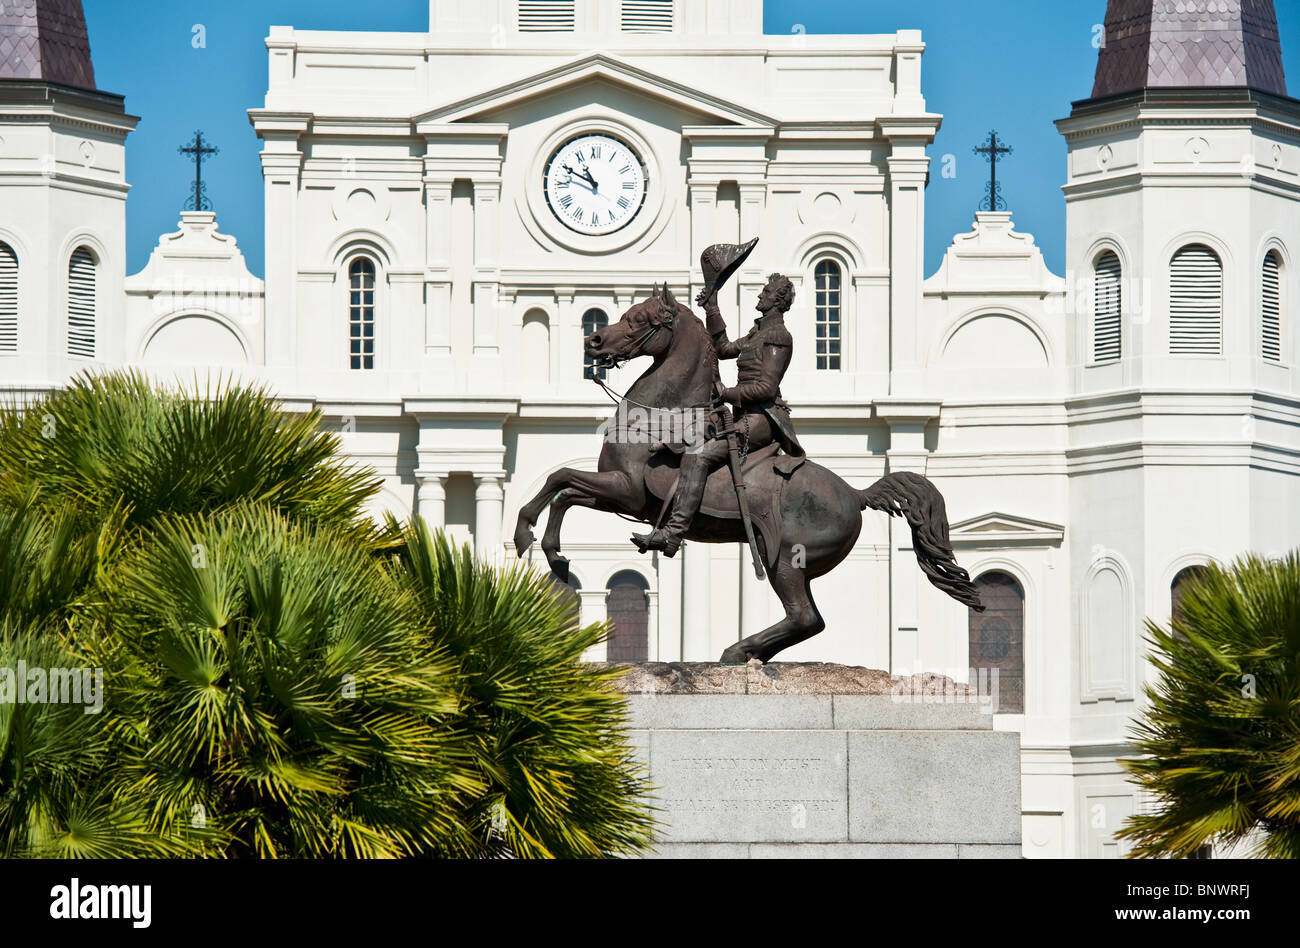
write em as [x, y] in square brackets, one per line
[810, 517]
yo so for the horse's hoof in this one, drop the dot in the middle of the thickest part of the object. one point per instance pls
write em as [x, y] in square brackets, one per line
[523, 540]
[735, 655]
[560, 569]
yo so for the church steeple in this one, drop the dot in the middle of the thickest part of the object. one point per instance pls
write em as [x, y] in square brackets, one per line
[1190, 44]
[45, 40]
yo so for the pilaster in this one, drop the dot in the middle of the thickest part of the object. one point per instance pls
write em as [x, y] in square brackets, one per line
[908, 174]
[907, 420]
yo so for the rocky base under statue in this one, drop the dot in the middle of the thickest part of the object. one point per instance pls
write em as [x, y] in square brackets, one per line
[792, 678]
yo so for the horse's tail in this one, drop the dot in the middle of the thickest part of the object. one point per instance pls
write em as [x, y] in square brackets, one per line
[909, 495]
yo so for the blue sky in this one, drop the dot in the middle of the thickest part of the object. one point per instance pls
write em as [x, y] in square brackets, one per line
[1013, 65]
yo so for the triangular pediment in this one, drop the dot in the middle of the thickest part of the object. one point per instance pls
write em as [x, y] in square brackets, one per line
[597, 67]
[995, 528]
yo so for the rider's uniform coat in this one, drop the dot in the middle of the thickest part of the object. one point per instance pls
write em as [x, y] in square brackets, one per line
[762, 358]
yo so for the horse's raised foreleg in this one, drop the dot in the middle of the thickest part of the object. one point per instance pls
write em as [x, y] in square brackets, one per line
[614, 489]
[802, 619]
[555, 522]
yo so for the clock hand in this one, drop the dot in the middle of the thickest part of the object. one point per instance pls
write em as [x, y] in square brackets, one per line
[584, 174]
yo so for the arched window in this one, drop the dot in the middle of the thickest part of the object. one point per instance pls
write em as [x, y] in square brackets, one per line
[1271, 306]
[828, 278]
[1195, 302]
[1178, 588]
[629, 609]
[82, 274]
[593, 320]
[997, 639]
[8, 298]
[361, 313]
[1107, 306]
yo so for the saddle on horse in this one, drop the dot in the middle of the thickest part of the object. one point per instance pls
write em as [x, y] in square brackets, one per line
[765, 473]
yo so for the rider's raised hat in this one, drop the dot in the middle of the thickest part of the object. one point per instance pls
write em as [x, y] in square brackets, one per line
[720, 261]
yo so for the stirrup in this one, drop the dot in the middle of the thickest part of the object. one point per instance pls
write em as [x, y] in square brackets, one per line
[658, 540]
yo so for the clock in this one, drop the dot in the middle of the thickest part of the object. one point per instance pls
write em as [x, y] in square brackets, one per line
[595, 184]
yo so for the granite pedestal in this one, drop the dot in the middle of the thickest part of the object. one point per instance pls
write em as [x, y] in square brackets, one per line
[822, 761]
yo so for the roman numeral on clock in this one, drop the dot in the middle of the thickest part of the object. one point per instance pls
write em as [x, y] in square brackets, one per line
[629, 185]
[624, 203]
[566, 201]
[578, 215]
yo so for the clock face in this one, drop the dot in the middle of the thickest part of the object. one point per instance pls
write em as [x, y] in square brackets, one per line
[595, 184]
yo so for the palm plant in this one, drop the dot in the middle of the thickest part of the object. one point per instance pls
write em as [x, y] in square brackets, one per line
[1221, 736]
[284, 678]
[52, 756]
[547, 732]
[120, 441]
[275, 691]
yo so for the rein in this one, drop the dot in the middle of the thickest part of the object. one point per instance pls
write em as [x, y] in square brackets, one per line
[617, 399]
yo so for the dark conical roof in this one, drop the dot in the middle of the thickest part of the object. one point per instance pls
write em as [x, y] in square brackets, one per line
[1189, 44]
[45, 40]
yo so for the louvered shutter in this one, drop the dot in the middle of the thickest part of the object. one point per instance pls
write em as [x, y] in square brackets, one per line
[1107, 307]
[1271, 310]
[8, 299]
[546, 16]
[1195, 302]
[647, 16]
[81, 304]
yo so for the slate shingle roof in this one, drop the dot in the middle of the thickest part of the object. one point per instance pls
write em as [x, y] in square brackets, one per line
[1190, 43]
[45, 40]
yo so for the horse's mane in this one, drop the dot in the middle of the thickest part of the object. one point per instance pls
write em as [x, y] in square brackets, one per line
[686, 317]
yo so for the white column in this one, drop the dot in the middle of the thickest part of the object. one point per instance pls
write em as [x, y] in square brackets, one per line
[753, 597]
[566, 342]
[695, 602]
[652, 626]
[488, 499]
[753, 204]
[907, 452]
[432, 500]
[591, 610]
[487, 227]
[437, 263]
[704, 214]
[669, 628]
[281, 171]
[906, 269]
[908, 135]
[487, 223]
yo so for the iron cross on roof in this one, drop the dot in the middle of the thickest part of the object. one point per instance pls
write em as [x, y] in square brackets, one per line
[992, 150]
[197, 150]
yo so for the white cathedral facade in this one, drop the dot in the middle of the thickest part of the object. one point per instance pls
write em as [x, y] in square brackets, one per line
[1097, 435]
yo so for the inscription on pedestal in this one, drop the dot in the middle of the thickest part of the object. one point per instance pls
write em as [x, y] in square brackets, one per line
[751, 786]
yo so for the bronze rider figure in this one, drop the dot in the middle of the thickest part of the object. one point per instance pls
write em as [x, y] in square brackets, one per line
[760, 414]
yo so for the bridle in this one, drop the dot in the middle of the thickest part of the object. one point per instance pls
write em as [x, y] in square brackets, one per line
[638, 346]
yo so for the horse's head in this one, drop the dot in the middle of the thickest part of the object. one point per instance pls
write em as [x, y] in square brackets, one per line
[645, 330]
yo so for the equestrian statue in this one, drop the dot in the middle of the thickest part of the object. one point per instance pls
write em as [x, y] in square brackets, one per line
[667, 446]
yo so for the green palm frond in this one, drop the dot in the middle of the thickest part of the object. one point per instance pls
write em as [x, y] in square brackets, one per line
[114, 437]
[281, 677]
[238, 681]
[1221, 736]
[549, 733]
